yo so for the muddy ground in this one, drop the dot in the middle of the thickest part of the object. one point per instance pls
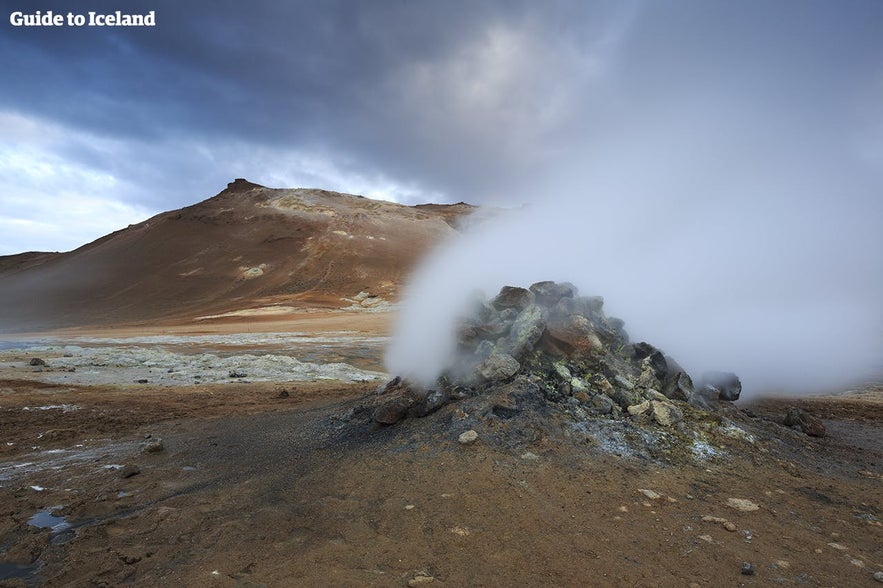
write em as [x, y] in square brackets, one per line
[271, 483]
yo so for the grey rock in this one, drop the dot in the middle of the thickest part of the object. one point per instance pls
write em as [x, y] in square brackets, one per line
[153, 446]
[513, 297]
[601, 404]
[625, 398]
[747, 569]
[727, 384]
[468, 437]
[430, 402]
[549, 293]
[36, 361]
[237, 374]
[878, 576]
[498, 367]
[526, 330]
[623, 383]
[679, 387]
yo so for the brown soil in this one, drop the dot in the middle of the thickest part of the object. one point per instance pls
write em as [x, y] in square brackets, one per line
[256, 488]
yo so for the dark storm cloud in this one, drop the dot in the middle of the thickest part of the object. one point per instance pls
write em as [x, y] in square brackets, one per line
[482, 101]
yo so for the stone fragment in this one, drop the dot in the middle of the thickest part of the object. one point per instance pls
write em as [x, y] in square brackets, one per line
[526, 330]
[742, 504]
[747, 569]
[878, 576]
[639, 408]
[665, 413]
[468, 437]
[652, 495]
[601, 404]
[550, 293]
[421, 579]
[498, 367]
[153, 446]
[679, 387]
[36, 361]
[572, 336]
[513, 297]
[623, 383]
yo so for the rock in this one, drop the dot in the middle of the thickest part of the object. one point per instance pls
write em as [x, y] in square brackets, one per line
[467, 438]
[130, 470]
[747, 569]
[394, 384]
[727, 384]
[421, 580]
[742, 504]
[36, 361]
[513, 297]
[283, 393]
[808, 423]
[562, 371]
[623, 383]
[878, 576]
[526, 330]
[141, 381]
[583, 397]
[237, 374]
[498, 367]
[625, 398]
[153, 446]
[651, 357]
[392, 411]
[549, 294]
[579, 385]
[679, 387]
[665, 413]
[650, 494]
[601, 404]
[638, 409]
[571, 336]
[430, 402]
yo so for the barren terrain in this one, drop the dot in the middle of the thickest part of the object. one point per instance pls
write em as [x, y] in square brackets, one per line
[277, 481]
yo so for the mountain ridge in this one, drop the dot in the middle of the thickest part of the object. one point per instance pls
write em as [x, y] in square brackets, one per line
[247, 246]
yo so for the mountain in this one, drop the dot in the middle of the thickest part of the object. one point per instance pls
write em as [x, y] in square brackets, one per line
[248, 247]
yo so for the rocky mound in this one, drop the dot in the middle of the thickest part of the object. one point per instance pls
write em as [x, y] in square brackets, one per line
[546, 351]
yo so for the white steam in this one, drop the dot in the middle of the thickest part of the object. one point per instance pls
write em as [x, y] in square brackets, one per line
[757, 253]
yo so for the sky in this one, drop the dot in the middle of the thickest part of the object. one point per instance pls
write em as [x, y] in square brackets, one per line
[410, 100]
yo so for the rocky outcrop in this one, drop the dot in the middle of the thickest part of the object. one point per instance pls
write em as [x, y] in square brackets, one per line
[561, 346]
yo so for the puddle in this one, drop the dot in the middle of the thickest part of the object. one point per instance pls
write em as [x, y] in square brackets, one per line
[44, 519]
[11, 571]
[62, 531]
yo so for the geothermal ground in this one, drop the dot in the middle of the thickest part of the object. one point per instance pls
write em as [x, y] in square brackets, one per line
[238, 454]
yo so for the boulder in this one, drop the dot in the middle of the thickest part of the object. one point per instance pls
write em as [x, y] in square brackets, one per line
[679, 387]
[726, 384]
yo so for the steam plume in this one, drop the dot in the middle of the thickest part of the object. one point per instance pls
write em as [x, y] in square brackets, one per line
[758, 253]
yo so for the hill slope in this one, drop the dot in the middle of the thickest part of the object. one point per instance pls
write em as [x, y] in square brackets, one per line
[248, 246]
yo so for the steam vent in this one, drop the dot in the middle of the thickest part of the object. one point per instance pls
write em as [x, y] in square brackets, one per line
[545, 363]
